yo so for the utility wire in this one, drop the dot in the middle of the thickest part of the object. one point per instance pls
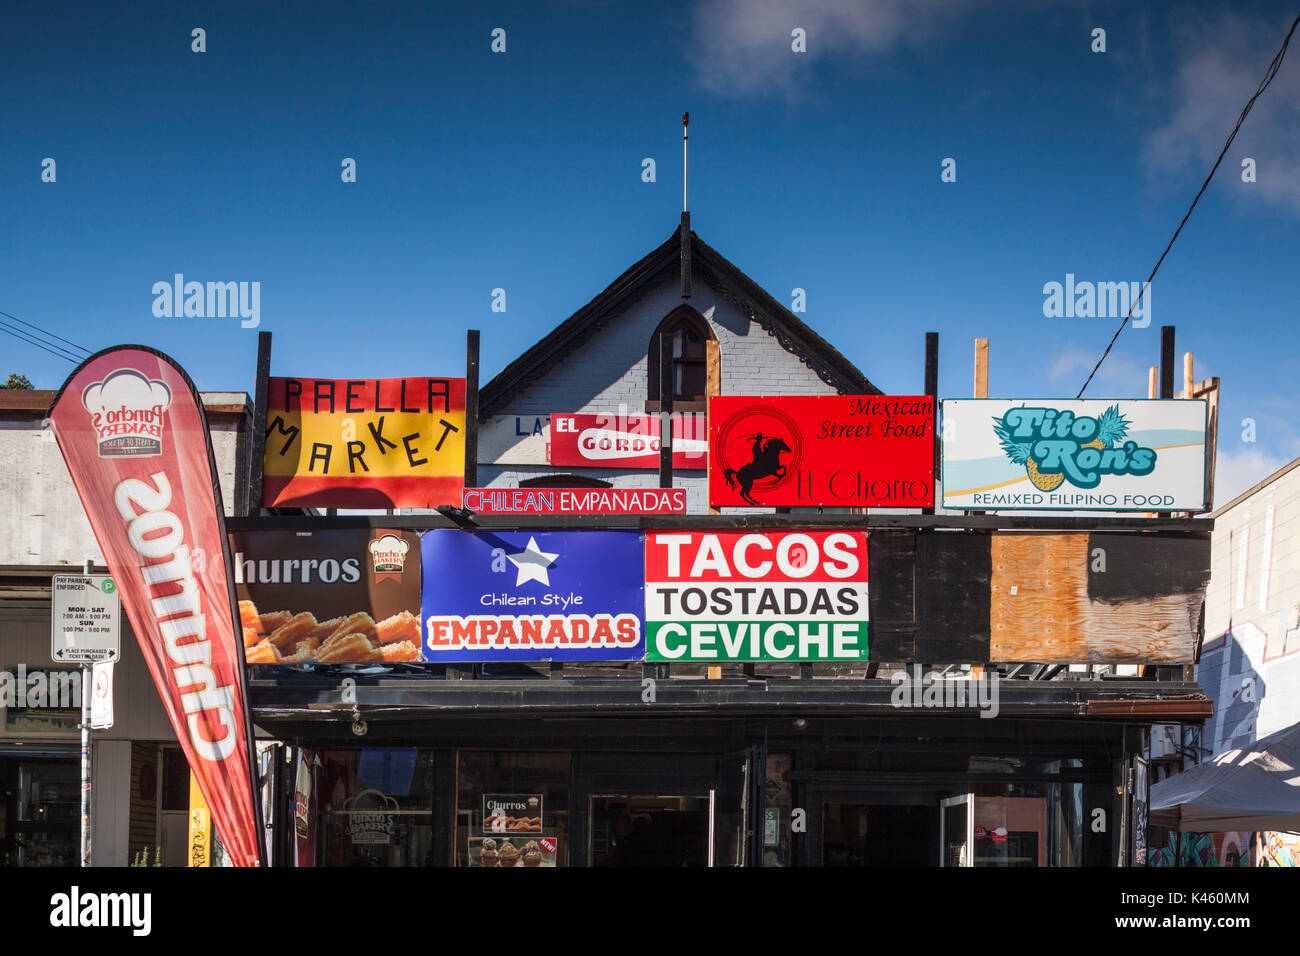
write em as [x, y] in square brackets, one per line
[43, 331]
[52, 349]
[1268, 78]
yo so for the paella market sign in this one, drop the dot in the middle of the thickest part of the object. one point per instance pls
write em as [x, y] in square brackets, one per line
[364, 443]
[1074, 455]
[757, 596]
[822, 451]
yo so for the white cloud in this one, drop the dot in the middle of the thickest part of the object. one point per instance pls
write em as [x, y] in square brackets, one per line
[744, 46]
[1220, 65]
[1235, 473]
[1120, 376]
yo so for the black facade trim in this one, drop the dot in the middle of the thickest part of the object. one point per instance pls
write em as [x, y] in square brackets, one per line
[793, 335]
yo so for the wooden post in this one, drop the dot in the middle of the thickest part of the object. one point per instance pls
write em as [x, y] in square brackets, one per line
[932, 388]
[665, 411]
[1153, 382]
[712, 386]
[981, 391]
[1166, 361]
[1188, 379]
[257, 447]
[471, 410]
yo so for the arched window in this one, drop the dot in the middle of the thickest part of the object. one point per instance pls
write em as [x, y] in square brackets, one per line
[690, 335]
[563, 481]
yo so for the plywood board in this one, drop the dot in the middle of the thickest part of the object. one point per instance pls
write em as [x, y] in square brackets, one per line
[1048, 604]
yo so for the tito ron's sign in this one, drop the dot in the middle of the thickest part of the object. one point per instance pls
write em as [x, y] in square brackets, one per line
[762, 596]
[135, 440]
[822, 451]
[1074, 454]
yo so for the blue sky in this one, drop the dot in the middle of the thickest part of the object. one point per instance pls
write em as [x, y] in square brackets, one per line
[522, 170]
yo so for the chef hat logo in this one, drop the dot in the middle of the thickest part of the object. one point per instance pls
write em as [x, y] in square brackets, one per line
[388, 553]
[126, 409]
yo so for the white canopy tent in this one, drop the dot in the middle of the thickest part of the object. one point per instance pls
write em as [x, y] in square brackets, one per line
[1256, 788]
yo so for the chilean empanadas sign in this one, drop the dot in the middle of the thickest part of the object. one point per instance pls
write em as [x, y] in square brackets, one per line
[364, 443]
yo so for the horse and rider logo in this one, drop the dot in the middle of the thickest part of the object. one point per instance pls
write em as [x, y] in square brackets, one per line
[759, 449]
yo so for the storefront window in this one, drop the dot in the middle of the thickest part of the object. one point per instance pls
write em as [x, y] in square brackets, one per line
[39, 825]
[512, 809]
[376, 807]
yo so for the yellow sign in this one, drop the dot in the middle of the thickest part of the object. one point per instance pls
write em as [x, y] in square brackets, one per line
[364, 443]
[200, 828]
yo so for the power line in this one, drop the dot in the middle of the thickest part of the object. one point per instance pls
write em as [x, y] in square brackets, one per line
[43, 331]
[1268, 78]
[52, 349]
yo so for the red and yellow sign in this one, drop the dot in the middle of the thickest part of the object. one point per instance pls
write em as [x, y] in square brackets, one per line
[364, 443]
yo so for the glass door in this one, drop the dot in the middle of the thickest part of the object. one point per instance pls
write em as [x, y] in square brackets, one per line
[956, 830]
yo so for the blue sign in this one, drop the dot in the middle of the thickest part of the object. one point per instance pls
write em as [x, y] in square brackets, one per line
[533, 596]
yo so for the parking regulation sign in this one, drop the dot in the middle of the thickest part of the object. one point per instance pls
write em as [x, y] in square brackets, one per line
[87, 618]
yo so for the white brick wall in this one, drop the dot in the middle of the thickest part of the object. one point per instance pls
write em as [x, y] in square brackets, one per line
[1251, 661]
[610, 371]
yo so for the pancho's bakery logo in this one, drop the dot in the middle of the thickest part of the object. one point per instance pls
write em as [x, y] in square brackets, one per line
[127, 411]
[758, 450]
[388, 555]
[371, 817]
[1057, 446]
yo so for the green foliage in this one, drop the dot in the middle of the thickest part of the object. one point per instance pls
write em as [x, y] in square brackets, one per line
[17, 381]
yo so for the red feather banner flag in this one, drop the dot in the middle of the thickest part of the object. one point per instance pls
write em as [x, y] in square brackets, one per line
[135, 438]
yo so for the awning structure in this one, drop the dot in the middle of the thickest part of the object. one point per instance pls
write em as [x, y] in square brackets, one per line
[1256, 788]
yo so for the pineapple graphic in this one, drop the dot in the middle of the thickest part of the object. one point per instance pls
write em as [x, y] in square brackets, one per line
[1111, 427]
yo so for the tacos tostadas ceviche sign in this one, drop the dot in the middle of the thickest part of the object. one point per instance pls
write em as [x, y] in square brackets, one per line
[822, 451]
[756, 596]
[1074, 455]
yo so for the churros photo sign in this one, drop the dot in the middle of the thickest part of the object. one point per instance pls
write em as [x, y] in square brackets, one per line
[328, 597]
[133, 432]
[364, 443]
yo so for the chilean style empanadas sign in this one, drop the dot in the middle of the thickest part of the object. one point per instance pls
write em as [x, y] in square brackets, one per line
[364, 443]
[533, 595]
[329, 597]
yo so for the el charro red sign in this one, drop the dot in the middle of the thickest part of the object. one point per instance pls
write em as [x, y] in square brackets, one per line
[134, 436]
[822, 451]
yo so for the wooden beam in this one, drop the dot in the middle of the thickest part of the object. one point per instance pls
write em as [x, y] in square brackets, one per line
[471, 410]
[257, 448]
[665, 411]
[713, 386]
[932, 388]
[981, 368]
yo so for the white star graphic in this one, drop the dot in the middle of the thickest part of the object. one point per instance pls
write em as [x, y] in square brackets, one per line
[532, 563]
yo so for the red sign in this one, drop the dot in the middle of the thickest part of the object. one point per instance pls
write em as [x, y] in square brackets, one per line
[575, 501]
[822, 451]
[625, 441]
[999, 834]
[135, 439]
[364, 443]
